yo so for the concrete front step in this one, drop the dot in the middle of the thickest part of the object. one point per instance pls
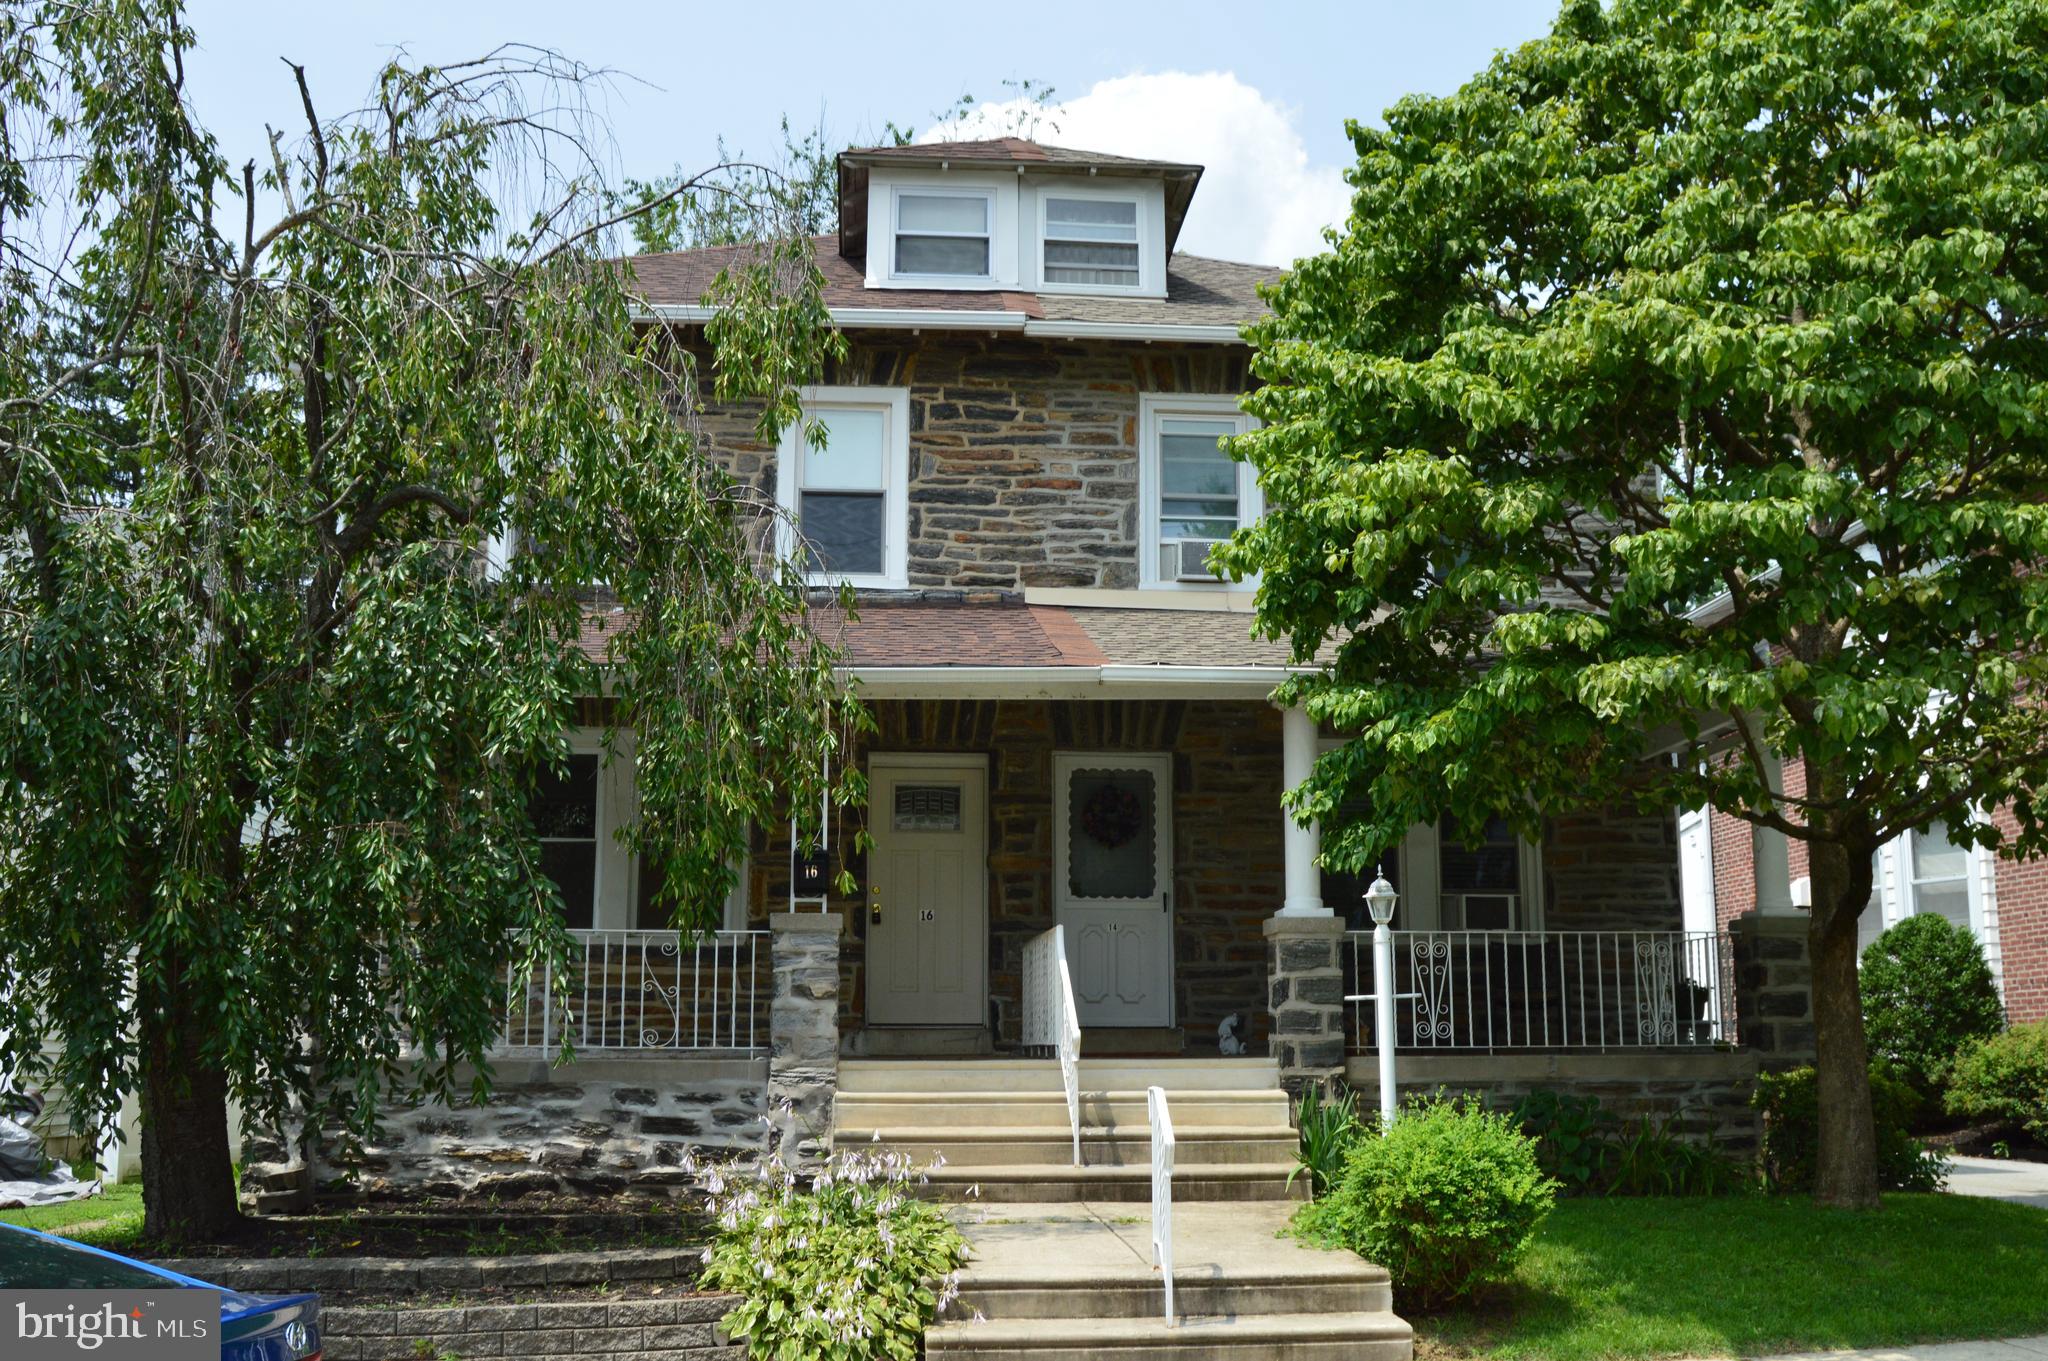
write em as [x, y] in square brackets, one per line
[1000, 1145]
[1107, 1074]
[1109, 1110]
[1344, 1286]
[1028, 1183]
[1235, 1337]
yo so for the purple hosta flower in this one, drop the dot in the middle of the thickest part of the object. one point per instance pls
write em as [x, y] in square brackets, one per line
[974, 1191]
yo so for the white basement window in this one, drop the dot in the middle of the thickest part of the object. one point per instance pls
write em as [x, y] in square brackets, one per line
[943, 235]
[1194, 494]
[1091, 242]
[847, 490]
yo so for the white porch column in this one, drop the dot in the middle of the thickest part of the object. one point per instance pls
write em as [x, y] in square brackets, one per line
[1304, 885]
[1769, 853]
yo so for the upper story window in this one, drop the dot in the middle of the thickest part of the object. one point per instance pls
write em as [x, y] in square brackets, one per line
[948, 235]
[847, 490]
[1091, 242]
[1192, 494]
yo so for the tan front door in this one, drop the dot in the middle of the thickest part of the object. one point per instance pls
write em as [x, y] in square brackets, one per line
[927, 943]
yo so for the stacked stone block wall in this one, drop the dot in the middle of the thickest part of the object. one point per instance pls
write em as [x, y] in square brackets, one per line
[1305, 981]
[1023, 453]
[1774, 988]
[599, 1125]
[625, 1330]
[1704, 1097]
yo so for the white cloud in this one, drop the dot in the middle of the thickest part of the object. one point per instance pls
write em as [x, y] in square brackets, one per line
[1260, 199]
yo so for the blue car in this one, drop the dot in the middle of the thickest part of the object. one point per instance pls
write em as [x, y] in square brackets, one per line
[252, 1327]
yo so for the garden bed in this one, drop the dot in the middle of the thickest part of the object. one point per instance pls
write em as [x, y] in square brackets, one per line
[1616, 1279]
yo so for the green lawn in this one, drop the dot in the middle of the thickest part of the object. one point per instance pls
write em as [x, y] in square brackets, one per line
[1751, 1275]
[115, 1214]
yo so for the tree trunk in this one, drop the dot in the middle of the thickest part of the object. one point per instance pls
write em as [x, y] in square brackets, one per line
[1846, 1173]
[188, 1181]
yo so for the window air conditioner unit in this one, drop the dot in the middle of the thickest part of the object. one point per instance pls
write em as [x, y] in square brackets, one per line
[1186, 560]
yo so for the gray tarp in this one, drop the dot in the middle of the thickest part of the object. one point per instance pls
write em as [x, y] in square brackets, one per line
[27, 1177]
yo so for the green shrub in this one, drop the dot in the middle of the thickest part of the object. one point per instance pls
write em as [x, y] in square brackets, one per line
[2005, 1077]
[843, 1269]
[1790, 1104]
[1927, 993]
[1650, 1160]
[1446, 1200]
[1328, 1127]
[1569, 1143]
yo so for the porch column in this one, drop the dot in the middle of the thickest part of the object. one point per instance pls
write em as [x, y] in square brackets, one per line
[1771, 856]
[1305, 992]
[803, 1034]
[1303, 896]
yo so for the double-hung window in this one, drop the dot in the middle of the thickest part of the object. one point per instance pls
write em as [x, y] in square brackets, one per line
[565, 812]
[844, 487]
[943, 235]
[1193, 494]
[1091, 242]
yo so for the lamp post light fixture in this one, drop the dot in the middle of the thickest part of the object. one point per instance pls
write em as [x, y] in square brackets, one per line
[1379, 901]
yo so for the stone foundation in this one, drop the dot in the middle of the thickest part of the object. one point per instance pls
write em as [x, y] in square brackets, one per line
[599, 1125]
[1306, 982]
[1704, 1095]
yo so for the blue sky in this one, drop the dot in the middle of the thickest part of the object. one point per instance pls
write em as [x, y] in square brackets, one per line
[1258, 93]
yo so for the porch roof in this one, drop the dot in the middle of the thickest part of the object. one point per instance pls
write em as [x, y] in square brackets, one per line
[1000, 644]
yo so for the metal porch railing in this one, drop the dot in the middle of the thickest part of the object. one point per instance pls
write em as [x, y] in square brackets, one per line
[1537, 990]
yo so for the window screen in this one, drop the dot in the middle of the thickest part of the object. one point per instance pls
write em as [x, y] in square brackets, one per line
[1091, 241]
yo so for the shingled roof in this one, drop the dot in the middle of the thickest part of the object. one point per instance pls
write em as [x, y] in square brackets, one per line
[1006, 632]
[1199, 291]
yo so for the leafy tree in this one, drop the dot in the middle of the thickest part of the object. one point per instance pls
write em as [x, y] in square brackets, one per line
[275, 696]
[1727, 304]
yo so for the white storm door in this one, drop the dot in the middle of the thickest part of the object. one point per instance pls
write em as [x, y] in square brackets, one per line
[927, 941]
[1113, 883]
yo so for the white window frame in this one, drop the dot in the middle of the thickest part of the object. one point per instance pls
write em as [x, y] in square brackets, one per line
[1140, 219]
[987, 197]
[895, 404]
[1154, 407]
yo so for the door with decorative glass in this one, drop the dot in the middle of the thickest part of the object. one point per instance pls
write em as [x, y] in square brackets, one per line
[927, 932]
[1113, 883]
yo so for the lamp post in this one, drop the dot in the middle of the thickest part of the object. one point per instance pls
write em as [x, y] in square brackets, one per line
[1379, 900]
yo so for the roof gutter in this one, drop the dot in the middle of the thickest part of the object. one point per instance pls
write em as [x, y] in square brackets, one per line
[954, 319]
[1068, 682]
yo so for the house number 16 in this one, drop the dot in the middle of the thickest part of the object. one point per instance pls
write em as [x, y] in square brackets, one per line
[926, 914]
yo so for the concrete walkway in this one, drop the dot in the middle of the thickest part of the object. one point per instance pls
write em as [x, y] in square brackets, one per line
[2023, 1183]
[2008, 1349]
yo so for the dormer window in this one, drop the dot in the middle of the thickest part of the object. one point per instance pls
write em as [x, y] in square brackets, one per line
[1091, 242]
[943, 235]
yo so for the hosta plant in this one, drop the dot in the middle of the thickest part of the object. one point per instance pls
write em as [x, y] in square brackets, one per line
[848, 1265]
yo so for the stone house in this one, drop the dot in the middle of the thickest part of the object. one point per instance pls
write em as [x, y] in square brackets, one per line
[1075, 783]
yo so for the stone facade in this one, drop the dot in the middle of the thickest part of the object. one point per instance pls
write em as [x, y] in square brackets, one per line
[1704, 1096]
[1226, 840]
[803, 1030]
[1305, 982]
[1023, 453]
[1774, 988]
[600, 1124]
